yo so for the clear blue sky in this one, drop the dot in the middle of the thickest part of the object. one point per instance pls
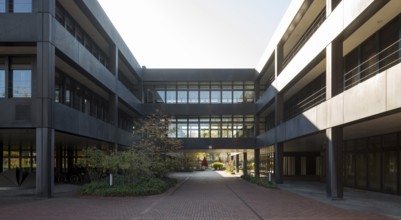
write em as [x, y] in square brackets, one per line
[196, 33]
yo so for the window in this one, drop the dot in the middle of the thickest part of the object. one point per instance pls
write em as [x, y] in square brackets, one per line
[171, 97]
[204, 96]
[58, 88]
[182, 97]
[21, 83]
[21, 6]
[193, 97]
[227, 97]
[2, 6]
[2, 83]
[215, 97]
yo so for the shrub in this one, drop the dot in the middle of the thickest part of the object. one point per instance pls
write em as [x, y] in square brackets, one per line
[121, 188]
[259, 181]
[218, 166]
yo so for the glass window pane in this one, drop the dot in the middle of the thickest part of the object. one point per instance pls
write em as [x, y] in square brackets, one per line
[204, 96]
[160, 96]
[171, 97]
[374, 171]
[390, 170]
[227, 97]
[193, 97]
[2, 6]
[182, 97]
[182, 130]
[238, 97]
[361, 171]
[22, 86]
[349, 170]
[204, 130]
[215, 97]
[215, 130]
[193, 130]
[2, 83]
[22, 6]
[249, 97]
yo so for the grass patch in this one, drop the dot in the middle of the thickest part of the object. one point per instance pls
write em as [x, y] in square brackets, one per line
[259, 181]
[141, 188]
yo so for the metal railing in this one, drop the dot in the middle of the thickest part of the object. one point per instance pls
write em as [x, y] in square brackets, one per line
[305, 37]
[306, 103]
[374, 66]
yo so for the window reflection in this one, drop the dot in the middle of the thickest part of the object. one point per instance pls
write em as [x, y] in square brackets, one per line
[202, 92]
[21, 6]
[2, 84]
[22, 85]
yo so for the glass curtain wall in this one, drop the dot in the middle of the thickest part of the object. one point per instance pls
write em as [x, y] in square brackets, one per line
[373, 163]
[199, 92]
[227, 126]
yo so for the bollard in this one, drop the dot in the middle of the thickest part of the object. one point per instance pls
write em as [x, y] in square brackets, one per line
[111, 179]
[270, 177]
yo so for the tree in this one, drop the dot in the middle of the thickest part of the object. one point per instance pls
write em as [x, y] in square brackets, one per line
[153, 143]
[152, 154]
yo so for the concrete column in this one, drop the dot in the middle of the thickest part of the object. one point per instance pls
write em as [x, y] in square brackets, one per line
[334, 163]
[278, 59]
[1, 157]
[44, 162]
[257, 163]
[237, 163]
[334, 68]
[245, 164]
[43, 94]
[278, 164]
[113, 104]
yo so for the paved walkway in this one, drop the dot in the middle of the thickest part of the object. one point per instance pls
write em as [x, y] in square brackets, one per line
[199, 195]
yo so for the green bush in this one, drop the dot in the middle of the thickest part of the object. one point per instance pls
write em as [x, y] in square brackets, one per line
[121, 188]
[218, 166]
[259, 181]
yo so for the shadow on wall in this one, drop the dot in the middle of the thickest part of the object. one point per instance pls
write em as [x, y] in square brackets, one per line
[17, 178]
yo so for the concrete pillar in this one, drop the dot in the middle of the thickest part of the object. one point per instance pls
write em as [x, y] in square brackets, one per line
[257, 163]
[1, 157]
[43, 94]
[113, 104]
[245, 164]
[334, 68]
[278, 164]
[237, 163]
[44, 162]
[334, 163]
[278, 59]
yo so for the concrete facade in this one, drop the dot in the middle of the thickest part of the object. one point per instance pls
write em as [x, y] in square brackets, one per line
[305, 100]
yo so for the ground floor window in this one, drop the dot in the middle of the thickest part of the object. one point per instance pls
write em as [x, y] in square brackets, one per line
[373, 163]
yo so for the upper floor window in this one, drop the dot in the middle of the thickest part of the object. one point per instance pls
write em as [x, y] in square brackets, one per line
[21, 6]
[2, 78]
[2, 83]
[2, 6]
[16, 6]
[21, 83]
[21, 77]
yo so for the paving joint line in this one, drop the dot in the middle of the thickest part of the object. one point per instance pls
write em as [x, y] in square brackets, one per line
[243, 201]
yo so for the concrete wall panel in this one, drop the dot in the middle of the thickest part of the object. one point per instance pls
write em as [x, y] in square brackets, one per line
[393, 99]
[321, 116]
[335, 109]
[307, 122]
[353, 8]
[365, 99]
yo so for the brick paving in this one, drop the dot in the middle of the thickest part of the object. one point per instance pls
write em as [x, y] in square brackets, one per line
[200, 195]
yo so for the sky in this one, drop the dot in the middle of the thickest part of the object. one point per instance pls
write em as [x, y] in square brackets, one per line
[196, 33]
